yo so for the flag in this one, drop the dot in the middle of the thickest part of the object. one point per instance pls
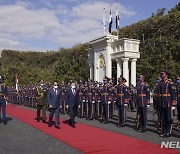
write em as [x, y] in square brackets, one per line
[117, 19]
[110, 22]
[17, 82]
[104, 22]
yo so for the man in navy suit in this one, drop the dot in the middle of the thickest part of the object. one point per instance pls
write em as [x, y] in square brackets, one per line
[72, 103]
[55, 103]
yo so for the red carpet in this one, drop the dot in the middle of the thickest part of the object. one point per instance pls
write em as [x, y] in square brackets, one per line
[89, 139]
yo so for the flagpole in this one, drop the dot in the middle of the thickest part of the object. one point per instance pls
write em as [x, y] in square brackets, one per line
[117, 20]
[104, 23]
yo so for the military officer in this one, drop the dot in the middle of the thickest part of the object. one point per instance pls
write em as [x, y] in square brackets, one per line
[41, 101]
[143, 101]
[122, 98]
[3, 100]
[105, 99]
[168, 99]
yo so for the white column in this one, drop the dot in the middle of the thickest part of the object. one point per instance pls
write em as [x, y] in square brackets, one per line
[119, 68]
[126, 70]
[91, 71]
[133, 71]
[108, 62]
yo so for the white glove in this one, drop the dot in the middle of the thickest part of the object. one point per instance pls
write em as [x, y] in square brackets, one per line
[173, 108]
[84, 101]
[148, 106]
[93, 102]
[109, 102]
[125, 105]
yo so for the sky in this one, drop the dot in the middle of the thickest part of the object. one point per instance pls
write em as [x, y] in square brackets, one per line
[41, 25]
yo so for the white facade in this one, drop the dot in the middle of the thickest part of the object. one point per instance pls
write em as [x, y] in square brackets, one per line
[105, 49]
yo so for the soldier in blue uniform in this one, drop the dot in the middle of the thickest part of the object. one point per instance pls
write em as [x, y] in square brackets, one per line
[90, 101]
[105, 99]
[178, 100]
[122, 98]
[168, 99]
[96, 99]
[143, 100]
[81, 99]
[3, 99]
[63, 88]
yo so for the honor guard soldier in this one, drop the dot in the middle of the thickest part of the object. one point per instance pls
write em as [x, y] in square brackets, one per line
[132, 97]
[96, 98]
[143, 101]
[105, 99]
[90, 101]
[178, 100]
[3, 100]
[81, 99]
[168, 99]
[156, 101]
[63, 88]
[41, 101]
[122, 98]
[111, 99]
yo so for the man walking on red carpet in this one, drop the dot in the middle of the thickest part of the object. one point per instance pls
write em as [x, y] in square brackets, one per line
[55, 103]
[72, 103]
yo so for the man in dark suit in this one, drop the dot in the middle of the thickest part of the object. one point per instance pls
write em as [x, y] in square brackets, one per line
[55, 103]
[72, 103]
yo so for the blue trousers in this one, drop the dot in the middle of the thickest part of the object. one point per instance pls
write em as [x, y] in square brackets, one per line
[121, 114]
[167, 119]
[3, 109]
[51, 114]
[72, 112]
[143, 117]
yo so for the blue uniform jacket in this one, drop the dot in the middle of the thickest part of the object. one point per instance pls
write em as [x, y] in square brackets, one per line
[3, 93]
[122, 94]
[167, 94]
[143, 95]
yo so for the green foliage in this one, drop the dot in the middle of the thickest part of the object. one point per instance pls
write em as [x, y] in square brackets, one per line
[62, 65]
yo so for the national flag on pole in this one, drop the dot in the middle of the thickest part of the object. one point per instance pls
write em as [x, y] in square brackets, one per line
[110, 22]
[117, 19]
[17, 82]
[104, 21]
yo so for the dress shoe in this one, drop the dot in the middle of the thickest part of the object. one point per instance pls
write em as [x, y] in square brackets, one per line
[142, 131]
[104, 122]
[38, 120]
[5, 122]
[162, 135]
[44, 121]
[49, 125]
[73, 126]
[122, 125]
[57, 127]
[167, 135]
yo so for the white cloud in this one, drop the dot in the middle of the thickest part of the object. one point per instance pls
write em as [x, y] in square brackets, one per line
[63, 25]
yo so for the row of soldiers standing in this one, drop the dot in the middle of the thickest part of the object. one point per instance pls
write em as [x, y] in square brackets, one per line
[99, 100]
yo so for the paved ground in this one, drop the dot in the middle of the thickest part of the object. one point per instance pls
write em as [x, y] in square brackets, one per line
[18, 137]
